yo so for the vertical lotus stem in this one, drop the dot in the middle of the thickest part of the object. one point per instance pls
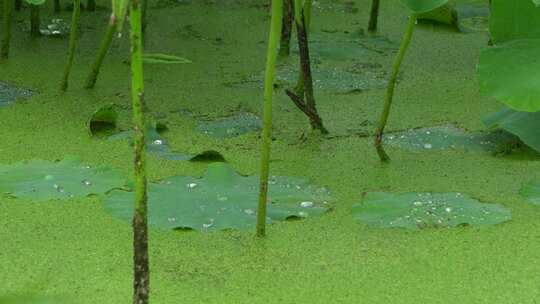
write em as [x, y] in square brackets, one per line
[374, 16]
[18, 5]
[299, 9]
[286, 30]
[103, 49]
[72, 42]
[140, 225]
[58, 7]
[391, 86]
[6, 26]
[144, 8]
[270, 73]
[91, 5]
[34, 21]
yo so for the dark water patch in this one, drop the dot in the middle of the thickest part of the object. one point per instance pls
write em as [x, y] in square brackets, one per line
[231, 126]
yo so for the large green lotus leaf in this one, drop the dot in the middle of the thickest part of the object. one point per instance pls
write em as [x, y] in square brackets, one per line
[41, 180]
[531, 192]
[446, 14]
[221, 199]
[422, 6]
[9, 93]
[525, 125]
[448, 138]
[510, 73]
[514, 19]
[231, 126]
[426, 210]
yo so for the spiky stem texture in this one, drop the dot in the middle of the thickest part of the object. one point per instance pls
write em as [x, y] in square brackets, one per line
[141, 269]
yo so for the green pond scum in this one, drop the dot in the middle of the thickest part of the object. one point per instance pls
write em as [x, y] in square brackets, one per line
[162, 152]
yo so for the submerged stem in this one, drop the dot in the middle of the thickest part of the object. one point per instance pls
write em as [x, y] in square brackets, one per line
[72, 42]
[286, 29]
[270, 73]
[103, 49]
[140, 226]
[391, 86]
[6, 25]
[34, 21]
[374, 15]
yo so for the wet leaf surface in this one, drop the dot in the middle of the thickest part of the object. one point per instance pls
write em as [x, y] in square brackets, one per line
[221, 199]
[427, 210]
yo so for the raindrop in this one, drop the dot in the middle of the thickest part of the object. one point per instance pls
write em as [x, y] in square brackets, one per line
[87, 182]
[306, 204]
[448, 209]
[302, 214]
[157, 142]
[249, 212]
[221, 198]
[171, 219]
[191, 185]
[428, 146]
[298, 187]
[49, 177]
[417, 203]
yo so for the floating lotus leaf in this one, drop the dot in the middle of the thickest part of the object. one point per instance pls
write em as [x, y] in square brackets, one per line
[448, 138]
[35, 2]
[525, 125]
[9, 93]
[222, 199]
[41, 180]
[446, 14]
[531, 192]
[164, 58]
[155, 143]
[423, 6]
[103, 121]
[231, 126]
[426, 210]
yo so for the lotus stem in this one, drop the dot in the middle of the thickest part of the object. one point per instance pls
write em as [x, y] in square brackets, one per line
[34, 21]
[18, 5]
[374, 16]
[141, 268]
[144, 8]
[58, 7]
[72, 43]
[271, 57]
[391, 86]
[286, 30]
[6, 33]
[103, 49]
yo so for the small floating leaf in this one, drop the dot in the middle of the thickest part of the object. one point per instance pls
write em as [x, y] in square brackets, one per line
[103, 121]
[448, 138]
[531, 192]
[41, 180]
[426, 210]
[222, 199]
[163, 58]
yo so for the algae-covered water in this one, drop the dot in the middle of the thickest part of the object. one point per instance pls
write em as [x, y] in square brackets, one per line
[76, 250]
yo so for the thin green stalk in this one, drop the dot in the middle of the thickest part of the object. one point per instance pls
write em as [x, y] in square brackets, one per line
[72, 42]
[34, 21]
[271, 57]
[103, 49]
[140, 225]
[286, 29]
[302, 7]
[6, 33]
[58, 7]
[391, 86]
[144, 8]
[374, 16]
